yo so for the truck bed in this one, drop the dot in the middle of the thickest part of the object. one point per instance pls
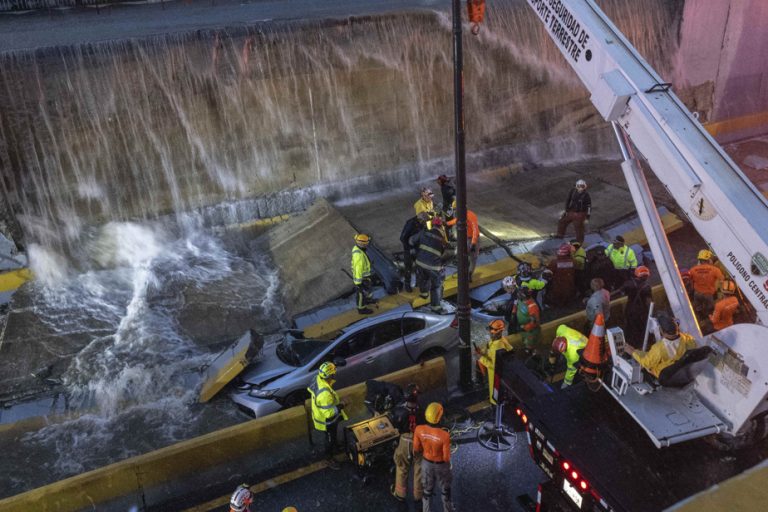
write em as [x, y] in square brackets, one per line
[614, 454]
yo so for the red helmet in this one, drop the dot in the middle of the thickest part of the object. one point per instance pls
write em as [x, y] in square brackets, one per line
[437, 221]
[560, 344]
[564, 250]
[442, 179]
[642, 271]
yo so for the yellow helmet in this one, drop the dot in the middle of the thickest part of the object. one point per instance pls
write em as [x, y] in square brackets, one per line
[327, 370]
[729, 287]
[434, 413]
[453, 204]
[362, 239]
[704, 254]
[290, 509]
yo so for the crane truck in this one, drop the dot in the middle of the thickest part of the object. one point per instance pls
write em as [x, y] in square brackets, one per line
[631, 444]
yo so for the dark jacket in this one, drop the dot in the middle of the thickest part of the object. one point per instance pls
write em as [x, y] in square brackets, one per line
[405, 419]
[412, 227]
[578, 202]
[448, 192]
[431, 248]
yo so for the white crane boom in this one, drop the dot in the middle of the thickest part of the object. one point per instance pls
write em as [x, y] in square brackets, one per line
[718, 199]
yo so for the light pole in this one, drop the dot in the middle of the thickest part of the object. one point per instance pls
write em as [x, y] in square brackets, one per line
[465, 353]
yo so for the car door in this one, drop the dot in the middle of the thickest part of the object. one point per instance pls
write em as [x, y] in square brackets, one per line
[353, 349]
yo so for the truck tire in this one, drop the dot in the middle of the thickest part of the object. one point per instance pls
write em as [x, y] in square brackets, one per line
[756, 432]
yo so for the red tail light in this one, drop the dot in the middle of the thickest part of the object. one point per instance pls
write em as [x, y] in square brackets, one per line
[574, 475]
[455, 322]
[583, 485]
[525, 419]
[518, 411]
[566, 466]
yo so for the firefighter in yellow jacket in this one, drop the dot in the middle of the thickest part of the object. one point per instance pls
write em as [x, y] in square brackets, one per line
[327, 409]
[487, 355]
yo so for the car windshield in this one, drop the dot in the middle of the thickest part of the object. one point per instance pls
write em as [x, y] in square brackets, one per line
[299, 352]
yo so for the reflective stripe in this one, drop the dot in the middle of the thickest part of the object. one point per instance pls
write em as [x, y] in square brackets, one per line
[430, 249]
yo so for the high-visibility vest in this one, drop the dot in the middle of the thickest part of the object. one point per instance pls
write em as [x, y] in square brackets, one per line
[361, 265]
[580, 258]
[325, 404]
[623, 258]
[488, 359]
[576, 341]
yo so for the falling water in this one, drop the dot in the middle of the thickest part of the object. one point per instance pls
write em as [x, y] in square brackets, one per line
[119, 157]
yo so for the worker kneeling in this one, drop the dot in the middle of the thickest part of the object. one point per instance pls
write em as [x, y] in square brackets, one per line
[665, 352]
[570, 343]
[487, 354]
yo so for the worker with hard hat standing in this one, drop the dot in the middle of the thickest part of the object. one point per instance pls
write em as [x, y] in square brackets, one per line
[487, 354]
[570, 343]
[525, 279]
[665, 352]
[706, 279]
[241, 499]
[473, 236]
[412, 227]
[639, 299]
[528, 318]
[424, 202]
[361, 273]
[405, 418]
[431, 244]
[434, 444]
[327, 408]
[726, 307]
[578, 208]
[623, 259]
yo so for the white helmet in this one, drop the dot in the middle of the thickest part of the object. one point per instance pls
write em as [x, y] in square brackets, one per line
[508, 283]
[581, 184]
[241, 498]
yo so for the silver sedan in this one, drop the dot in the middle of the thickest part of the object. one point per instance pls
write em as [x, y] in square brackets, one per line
[367, 349]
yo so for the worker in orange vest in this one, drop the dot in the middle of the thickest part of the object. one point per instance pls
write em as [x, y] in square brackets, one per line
[473, 236]
[476, 12]
[706, 280]
[435, 445]
[726, 307]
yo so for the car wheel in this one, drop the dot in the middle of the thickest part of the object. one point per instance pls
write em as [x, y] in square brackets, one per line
[296, 398]
[430, 354]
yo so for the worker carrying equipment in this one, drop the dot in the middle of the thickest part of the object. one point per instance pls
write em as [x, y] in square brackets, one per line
[667, 350]
[406, 417]
[434, 444]
[241, 499]
[570, 343]
[726, 307]
[361, 274]
[578, 208]
[327, 408]
[487, 354]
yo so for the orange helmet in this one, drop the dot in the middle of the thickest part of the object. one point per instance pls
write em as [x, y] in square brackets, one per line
[495, 327]
[642, 271]
[560, 344]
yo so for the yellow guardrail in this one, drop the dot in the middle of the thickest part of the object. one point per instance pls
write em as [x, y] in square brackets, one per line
[12, 279]
[131, 476]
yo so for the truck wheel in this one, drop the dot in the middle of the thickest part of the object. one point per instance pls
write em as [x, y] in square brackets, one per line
[755, 433]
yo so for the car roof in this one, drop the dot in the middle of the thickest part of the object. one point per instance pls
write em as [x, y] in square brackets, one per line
[373, 320]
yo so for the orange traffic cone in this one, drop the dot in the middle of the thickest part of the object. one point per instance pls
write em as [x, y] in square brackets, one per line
[595, 353]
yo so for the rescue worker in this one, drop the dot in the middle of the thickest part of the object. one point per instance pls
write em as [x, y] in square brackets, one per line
[726, 307]
[361, 273]
[473, 235]
[570, 343]
[412, 227]
[424, 202]
[487, 354]
[448, 191]
[578, 208]
[430, 257]
[670, 348]
[434, 444]
[706, 279]
[623, 259]
[327, 409]
[525, 279]
[598, 302]
[476, 11]
[509, 285]
[528, 318]
[579, 256]
[639, 298]
[563, 283]
[685, 276]
[241, 499]
[405, 418]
